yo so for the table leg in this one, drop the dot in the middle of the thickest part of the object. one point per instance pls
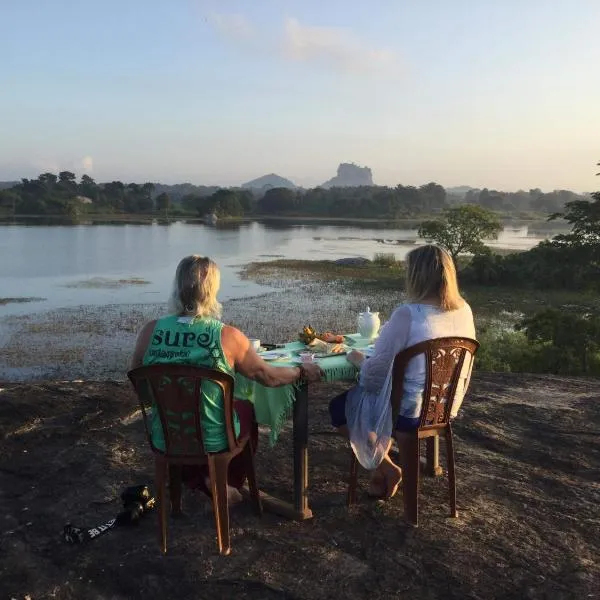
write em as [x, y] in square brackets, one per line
[433, 468]
[299, 510]
[301, 453]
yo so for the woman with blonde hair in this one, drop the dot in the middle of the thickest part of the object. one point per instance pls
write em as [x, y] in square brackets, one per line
[434, 309]
[193, 334]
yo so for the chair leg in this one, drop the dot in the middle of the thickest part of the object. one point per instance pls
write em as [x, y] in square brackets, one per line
[451, 471]
[217, 467]
[251, 476]
[352, 480]
[175, 489]
[408, 449]
[160, 478]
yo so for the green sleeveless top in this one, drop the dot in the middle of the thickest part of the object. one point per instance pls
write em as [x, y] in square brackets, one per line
[188, 341]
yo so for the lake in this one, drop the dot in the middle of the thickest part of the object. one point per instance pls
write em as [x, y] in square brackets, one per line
[99, 264]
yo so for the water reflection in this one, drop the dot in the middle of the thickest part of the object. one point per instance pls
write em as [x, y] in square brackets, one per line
[47, 256]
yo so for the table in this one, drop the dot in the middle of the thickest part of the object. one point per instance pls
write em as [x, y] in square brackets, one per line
[336, 369]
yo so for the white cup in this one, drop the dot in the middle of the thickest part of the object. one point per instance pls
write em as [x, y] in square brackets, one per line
[255, 343]
[307, 357]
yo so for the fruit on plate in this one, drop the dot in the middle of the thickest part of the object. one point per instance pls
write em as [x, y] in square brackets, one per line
[337, 348]
[331, 338]
[307, 335]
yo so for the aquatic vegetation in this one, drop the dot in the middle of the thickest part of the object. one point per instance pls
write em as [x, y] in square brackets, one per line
[20, 300]
[105, 283]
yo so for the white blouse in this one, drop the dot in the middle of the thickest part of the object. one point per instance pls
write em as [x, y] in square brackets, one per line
[411, 324]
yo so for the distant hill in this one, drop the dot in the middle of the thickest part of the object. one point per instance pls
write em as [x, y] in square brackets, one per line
[7, 184]
[459, 190]
[269, 181]
[350, 175]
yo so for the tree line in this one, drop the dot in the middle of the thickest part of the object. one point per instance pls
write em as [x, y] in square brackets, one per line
[561, 341]
[63, 194]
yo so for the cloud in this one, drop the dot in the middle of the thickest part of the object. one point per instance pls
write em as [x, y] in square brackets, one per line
[87, 164]
[335, 46]
[326, 46]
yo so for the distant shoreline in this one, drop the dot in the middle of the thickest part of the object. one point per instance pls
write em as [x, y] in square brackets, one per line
[411, 223]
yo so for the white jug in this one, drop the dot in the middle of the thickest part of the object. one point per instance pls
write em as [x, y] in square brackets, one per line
[368, 324]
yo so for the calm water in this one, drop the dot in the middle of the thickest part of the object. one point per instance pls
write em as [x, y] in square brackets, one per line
[77, 264]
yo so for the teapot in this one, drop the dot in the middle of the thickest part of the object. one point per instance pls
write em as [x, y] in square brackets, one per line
[368, 324]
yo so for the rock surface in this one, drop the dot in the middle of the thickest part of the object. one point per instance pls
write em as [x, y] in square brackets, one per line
[528, 463]
[350, 175]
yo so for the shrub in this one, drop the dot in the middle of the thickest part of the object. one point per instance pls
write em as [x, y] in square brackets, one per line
[385, 259]
[504, 350]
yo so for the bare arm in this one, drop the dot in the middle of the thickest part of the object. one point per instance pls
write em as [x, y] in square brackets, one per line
[243, 357]
[142, 342]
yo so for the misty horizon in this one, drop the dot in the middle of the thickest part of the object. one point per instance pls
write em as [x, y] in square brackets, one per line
[499, 96]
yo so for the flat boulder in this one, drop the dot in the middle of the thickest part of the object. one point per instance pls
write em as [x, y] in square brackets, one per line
[356, 261]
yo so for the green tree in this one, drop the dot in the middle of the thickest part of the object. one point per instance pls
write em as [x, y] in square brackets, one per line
[463, 229]
[163, 202]
[48, 180]
[9, 200]
[67, 183]
[225, 203]
[88, 188]
[567, 342]
[584, 218]
[277, 200]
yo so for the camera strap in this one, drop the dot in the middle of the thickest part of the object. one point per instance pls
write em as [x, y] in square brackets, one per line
[77, 535]
[137, 500]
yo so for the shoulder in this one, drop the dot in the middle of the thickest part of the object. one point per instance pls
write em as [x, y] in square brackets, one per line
[230, 334]
[401, 313]
[466, 308]
[401, 317]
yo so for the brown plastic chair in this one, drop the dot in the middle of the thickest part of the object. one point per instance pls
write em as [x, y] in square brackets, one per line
[444, 359]
[175, 391]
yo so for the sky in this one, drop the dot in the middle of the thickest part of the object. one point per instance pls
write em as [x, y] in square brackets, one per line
[488, 93]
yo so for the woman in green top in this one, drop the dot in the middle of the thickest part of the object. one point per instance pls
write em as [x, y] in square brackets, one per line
[194, 334]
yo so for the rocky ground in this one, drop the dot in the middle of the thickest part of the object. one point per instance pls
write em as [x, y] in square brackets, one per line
[528, 460]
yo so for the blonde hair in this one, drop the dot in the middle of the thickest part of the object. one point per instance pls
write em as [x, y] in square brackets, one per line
[430, 273]
[197, 281]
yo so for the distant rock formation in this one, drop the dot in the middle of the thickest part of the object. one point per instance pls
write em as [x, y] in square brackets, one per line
[267, 182]
[350, 175]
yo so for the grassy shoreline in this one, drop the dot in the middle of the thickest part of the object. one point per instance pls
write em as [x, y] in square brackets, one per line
[485, 300]
[96, 341]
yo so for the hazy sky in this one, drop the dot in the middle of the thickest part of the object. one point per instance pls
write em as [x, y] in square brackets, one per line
[497, 93]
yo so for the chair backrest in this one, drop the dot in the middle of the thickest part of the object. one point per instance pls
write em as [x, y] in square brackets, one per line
[175, 391]
[444, 360]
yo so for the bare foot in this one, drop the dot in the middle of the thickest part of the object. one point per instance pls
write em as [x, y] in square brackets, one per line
[234, 496]
[393, 479]
[385, 481]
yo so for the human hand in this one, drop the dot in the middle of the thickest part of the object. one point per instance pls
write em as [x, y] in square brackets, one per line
[356, 358]
[312, 372]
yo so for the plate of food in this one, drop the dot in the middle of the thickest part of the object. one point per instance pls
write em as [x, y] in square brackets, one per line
[310, 335]
[274, 355]
[331, 350]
